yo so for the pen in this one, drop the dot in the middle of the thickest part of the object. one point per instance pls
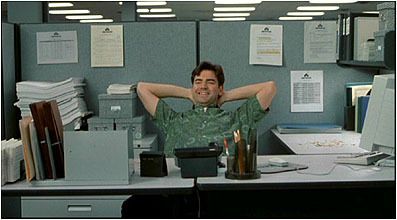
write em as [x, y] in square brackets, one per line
[226, 146]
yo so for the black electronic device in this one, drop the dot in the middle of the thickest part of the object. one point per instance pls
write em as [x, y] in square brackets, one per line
[198, 161]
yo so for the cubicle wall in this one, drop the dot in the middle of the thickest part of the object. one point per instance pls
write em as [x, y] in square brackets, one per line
[166, 52]
[227, 43]
[156, 52]
[9, 122]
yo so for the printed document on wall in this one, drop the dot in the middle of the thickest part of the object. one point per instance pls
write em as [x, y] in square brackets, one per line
[320, 42]
[107, 46]
[56, 47]
[307, 91]
[266, 44]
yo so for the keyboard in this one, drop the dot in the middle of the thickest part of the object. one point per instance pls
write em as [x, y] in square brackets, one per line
[366, 158]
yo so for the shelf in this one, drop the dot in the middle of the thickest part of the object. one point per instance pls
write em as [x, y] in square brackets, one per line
[364, 64]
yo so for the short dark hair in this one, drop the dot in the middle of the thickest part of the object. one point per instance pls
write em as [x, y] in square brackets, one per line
[205, 65]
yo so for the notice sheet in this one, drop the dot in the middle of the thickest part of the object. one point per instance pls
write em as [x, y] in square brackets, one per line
[320, 42]
[107, 46]
[266, 44]
[56, 47]
[307, 91]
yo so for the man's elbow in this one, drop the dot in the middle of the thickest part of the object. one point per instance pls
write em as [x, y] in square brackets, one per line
[271, 88]
[140, 88]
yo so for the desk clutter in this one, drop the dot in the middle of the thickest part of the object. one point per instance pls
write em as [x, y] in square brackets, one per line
[241, 164]
[68, 94]
[11, 160]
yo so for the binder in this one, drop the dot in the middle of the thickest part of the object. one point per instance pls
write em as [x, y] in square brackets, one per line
[27, 150]
[38, 162]
[361, 111]
[37, 110]
[53, 123]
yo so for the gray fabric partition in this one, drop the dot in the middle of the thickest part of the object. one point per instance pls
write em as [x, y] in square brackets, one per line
[227, 43]
[166, 52]
[156, 52]
[9, 121]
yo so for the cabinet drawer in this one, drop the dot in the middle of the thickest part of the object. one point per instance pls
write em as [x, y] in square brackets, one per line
[72, 206]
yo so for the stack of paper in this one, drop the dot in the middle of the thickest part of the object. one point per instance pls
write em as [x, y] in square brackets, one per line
[120, 88]
[11, 160]
[69, 95]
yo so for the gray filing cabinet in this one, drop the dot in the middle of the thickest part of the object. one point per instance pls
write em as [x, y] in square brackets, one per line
[72, 206]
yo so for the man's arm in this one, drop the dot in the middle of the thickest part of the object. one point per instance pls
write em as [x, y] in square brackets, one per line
[150, 94]
[264, 92]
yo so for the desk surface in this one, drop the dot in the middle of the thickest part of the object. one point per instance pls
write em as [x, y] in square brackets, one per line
[338, 143]
[173, 183]
[321, 172]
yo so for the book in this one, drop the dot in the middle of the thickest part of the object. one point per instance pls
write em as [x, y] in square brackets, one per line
[27, 150]
[38, 162]
[53, 124]
[37, 110]
[361, 110]
[356, 89]
[297, 128]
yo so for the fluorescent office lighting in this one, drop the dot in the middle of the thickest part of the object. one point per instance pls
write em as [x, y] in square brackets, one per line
[163, 10]
[234, 9]
[230, 2]
[97, 21]
[59, 4]
[67, 12]
[317, 8]
[229, 19]
[371, 12]
[294, 18]
[231, 14]
[142, 10]
[79, 17]
[332, 1]
[313, 13]
[158, 16]
[150, 3]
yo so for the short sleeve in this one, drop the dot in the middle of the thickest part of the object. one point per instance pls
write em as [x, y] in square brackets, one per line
[250, 112]
[163, 115]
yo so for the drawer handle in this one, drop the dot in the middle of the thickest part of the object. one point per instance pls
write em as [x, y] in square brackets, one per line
[115, 108]
[79, 208]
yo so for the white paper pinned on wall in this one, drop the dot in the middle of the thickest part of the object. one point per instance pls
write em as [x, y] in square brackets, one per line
[266, 45]
[107, 49]
[57, 47]
[307, 91]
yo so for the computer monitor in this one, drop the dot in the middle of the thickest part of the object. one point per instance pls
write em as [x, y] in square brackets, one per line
[378, 133]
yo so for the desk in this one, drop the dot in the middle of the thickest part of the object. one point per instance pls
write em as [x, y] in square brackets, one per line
[33, 195]
[348, 191]
[338, 143]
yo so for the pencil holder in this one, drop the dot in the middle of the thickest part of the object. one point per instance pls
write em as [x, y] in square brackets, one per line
[242, 164]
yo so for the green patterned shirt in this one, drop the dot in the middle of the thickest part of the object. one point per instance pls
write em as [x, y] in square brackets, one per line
[200, 126]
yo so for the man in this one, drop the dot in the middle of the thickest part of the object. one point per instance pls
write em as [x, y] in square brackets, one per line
[206, 122]
[198, 127]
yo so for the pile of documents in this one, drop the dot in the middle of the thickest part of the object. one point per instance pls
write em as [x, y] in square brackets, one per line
[69, 95]
[11, 160]
[120, 88]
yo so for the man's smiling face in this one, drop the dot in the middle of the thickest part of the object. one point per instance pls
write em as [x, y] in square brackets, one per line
[206, 89]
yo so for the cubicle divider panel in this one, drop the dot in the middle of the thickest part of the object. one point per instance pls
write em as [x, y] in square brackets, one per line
[228, 43]
[153, 51]
[9, 122]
